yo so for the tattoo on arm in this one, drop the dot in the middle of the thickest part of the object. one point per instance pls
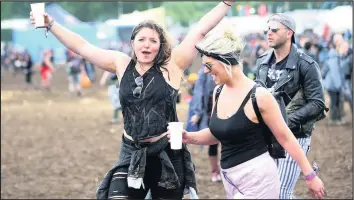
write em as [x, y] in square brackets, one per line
[194, 141]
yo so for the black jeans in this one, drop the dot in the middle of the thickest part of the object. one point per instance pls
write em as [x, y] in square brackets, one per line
[28, 77]
[119, 184]
[213, 150]
[334, 106]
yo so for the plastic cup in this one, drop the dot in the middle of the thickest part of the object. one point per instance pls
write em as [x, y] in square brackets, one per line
[38, 10]
[176, 129]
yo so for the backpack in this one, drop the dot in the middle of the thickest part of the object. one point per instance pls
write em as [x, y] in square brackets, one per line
[75, 65]
[275, 150]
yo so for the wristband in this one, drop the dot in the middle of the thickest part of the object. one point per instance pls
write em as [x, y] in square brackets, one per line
[226, 3]
[50, 24]
[49, 27]
[310, 176]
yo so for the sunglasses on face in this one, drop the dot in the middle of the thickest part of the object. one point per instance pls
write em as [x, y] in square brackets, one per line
[274, 30]
[139, 81]
[208, 67]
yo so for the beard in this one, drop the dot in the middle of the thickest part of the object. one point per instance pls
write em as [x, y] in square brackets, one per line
[277, 45]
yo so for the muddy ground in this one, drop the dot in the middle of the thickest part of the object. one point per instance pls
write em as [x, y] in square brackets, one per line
[57, 146]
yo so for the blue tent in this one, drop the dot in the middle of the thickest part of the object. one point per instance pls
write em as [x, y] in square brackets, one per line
[35, 41]
[60, 15]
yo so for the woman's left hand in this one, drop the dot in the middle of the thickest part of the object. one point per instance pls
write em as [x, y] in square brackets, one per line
[316, 187]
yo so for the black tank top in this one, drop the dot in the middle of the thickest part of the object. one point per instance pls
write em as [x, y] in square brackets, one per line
[147, 115]
[241, 139]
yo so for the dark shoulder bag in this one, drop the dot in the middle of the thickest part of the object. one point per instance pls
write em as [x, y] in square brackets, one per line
[274, 148]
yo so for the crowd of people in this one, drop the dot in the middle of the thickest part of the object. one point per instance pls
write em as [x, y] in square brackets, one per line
[274, 83]
[332, 52]
[18, 62]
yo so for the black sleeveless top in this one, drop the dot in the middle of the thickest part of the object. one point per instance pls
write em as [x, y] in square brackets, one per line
[241, 139]
[148, 114]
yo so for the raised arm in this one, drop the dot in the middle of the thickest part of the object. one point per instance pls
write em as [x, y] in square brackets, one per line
[104, 78]
[184, 53]
[272, 117]
[107, 60]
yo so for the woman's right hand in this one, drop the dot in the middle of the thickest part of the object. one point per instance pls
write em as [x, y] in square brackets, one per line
[47, 19]
[185, 136]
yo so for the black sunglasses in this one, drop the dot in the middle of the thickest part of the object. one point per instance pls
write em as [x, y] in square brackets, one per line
[139, 81]
[209, 67]
[274, 30]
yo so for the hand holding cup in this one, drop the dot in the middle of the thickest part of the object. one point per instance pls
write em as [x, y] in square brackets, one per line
[38, 17]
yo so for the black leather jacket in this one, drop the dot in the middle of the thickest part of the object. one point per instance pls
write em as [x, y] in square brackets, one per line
[301, 81]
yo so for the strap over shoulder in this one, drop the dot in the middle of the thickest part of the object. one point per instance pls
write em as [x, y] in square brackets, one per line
[218, 91]
[255, 105]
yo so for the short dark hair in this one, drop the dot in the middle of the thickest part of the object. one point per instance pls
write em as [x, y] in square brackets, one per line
[307, 45]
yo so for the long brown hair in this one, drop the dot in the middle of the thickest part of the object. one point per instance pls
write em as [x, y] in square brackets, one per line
[164, 54]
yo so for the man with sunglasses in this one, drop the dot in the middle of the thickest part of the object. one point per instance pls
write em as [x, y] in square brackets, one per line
[283, 68]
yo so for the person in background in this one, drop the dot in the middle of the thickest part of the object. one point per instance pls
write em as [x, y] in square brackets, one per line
[75, 67]
[18, 63]
[285, 69]
[113, 92]
[346, 65]
[192, 79]
[308, 49]
[28, 69]
[90, 70]
[333, 83]
[201, 112]
[51, 52]
[46, 70]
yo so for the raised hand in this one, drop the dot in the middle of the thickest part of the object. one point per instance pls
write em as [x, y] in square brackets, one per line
[47, 19]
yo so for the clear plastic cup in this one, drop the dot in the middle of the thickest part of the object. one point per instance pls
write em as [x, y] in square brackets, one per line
[38, 9]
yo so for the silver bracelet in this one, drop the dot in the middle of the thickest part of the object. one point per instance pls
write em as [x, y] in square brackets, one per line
[49, 27]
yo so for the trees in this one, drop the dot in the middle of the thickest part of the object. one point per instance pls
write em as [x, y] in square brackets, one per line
[185, 12]
[85, 11]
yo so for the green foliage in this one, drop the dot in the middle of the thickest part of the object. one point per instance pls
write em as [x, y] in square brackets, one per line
[15, 10]
[185, 12]
[6, 8]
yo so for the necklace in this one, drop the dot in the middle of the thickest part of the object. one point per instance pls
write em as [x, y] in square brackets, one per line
[142, 69]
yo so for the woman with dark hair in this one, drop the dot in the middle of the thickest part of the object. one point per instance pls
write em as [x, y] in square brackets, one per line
[149, 84]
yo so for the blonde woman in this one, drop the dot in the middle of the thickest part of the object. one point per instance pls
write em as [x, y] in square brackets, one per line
[248, 171]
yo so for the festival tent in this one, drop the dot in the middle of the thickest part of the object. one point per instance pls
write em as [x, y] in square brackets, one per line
[35, 42]
[60, 15]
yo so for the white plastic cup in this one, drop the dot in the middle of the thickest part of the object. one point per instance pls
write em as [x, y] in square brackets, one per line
[176, 129]
[38, 9]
